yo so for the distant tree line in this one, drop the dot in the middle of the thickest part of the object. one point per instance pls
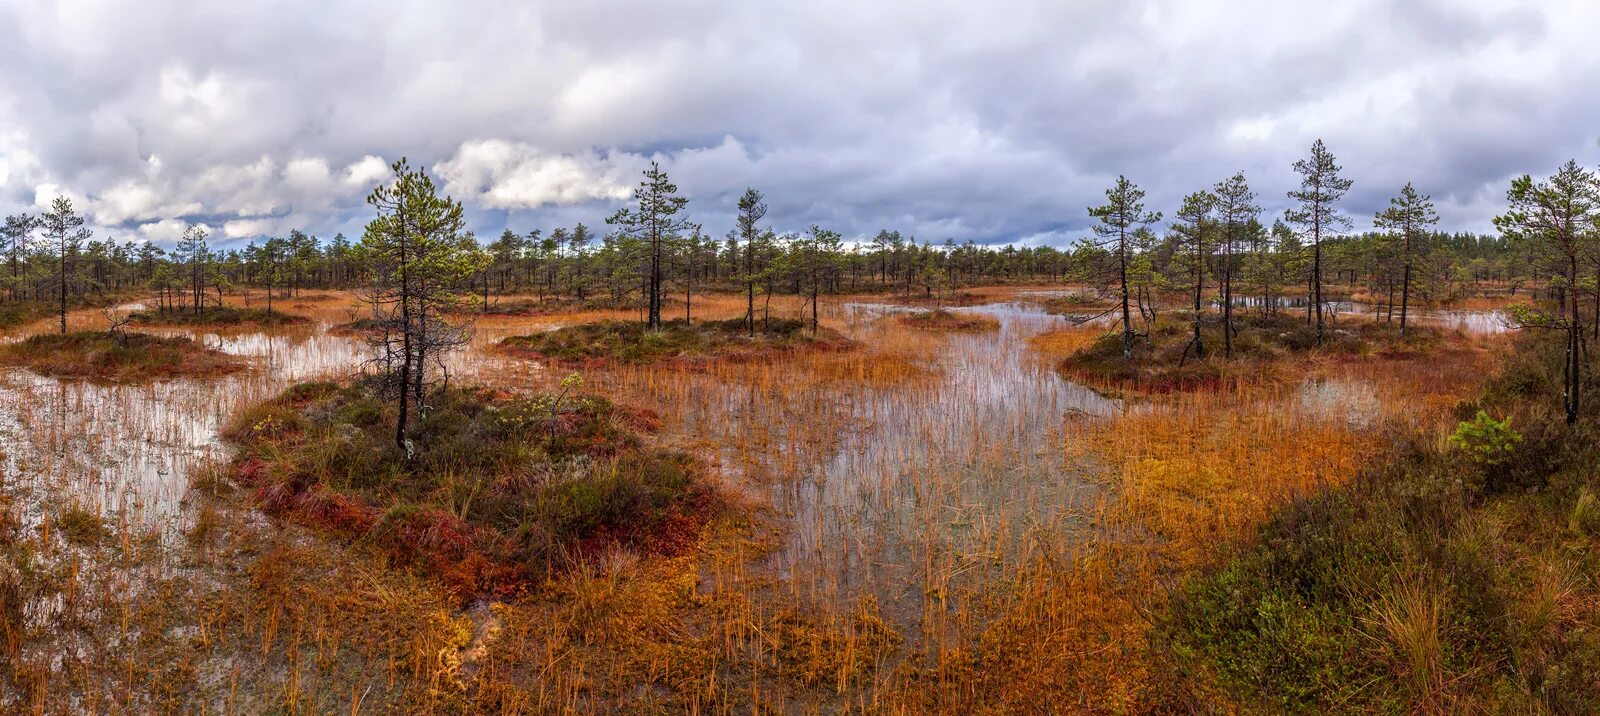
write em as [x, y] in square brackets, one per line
[1217, 249]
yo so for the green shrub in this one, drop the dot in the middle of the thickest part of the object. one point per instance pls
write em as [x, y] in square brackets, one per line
[1414, 588]
[1487, 443]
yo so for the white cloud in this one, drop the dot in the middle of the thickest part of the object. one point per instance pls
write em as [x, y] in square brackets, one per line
[165, 231]
[994, 121]
[500, 174]
[246, 228]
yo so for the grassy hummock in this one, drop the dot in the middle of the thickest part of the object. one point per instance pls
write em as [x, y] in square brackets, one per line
[358, 326]
[217, 316]
[105, 356]
[1076, 304]
[534, 306]
[1159, 363]
[634, 342]
[949, 321]
[501, 490]
[1451, 578]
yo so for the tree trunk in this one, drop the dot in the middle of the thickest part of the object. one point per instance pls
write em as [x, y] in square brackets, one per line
[1199, 288]
[63, 287]
[750, 284]
[1574, 348]
[1127, 318]
[1405, 295]
[405, 356]
[1227, 295]
[1316, 282]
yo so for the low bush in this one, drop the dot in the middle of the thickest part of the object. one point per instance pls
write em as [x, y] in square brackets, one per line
[1448, 579]
[535, 306]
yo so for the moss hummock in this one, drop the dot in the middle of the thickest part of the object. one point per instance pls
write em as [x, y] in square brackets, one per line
[500, 491]
[1164, 360]
[218, 316]
[104, 356]
[941, 320]
[634, 342]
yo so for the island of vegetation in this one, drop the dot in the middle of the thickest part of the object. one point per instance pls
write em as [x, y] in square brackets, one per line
[1168, 358]
[117, 356]
[635, 342]
[486, 490]
[941, 320]
[225, 316]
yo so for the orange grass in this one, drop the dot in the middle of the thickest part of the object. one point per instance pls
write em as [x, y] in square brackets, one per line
[1187, 477]
[886, 550]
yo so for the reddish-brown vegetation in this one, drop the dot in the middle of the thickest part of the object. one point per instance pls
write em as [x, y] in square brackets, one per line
[502, 489]
[117, 357]
[949, 321]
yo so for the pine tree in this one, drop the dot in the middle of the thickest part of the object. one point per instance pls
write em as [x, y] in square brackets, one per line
[1321, 188]
[1411, 217]
[751, 209]
[1553, 221]
[1121, 215]
[656, 223]
[419, 261]
[814, 259]
[16, 240]
[1236, 212]
[64, 233]
[193, 253]
[1192, 229]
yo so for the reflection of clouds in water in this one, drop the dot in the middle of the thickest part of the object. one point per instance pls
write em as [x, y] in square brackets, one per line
[964, 464]
[1470, 322]
[132, 445]
[1353, 402]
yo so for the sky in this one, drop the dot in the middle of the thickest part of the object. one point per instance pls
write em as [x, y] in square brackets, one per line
[997, 121]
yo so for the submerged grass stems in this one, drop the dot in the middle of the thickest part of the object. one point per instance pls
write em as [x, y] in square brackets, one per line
[934, 522]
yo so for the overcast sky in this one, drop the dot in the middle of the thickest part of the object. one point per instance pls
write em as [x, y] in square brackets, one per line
[994, 121]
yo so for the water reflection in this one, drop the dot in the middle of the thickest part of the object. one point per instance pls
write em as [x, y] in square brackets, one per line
[906, 491]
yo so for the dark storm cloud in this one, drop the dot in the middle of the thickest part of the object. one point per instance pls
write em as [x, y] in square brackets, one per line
[987, 121]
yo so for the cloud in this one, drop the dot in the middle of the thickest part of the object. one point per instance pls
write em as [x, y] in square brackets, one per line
[500, 174]
[994, 121]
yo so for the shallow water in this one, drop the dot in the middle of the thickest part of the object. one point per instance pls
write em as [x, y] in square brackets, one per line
[907, 492]
[966, 468]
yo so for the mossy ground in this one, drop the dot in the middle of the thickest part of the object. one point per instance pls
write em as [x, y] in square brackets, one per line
[941, 320]
[1435, 583]
[1164, 360]
[104, 356]
[634, 342]
[501, 490]
[217, 316]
